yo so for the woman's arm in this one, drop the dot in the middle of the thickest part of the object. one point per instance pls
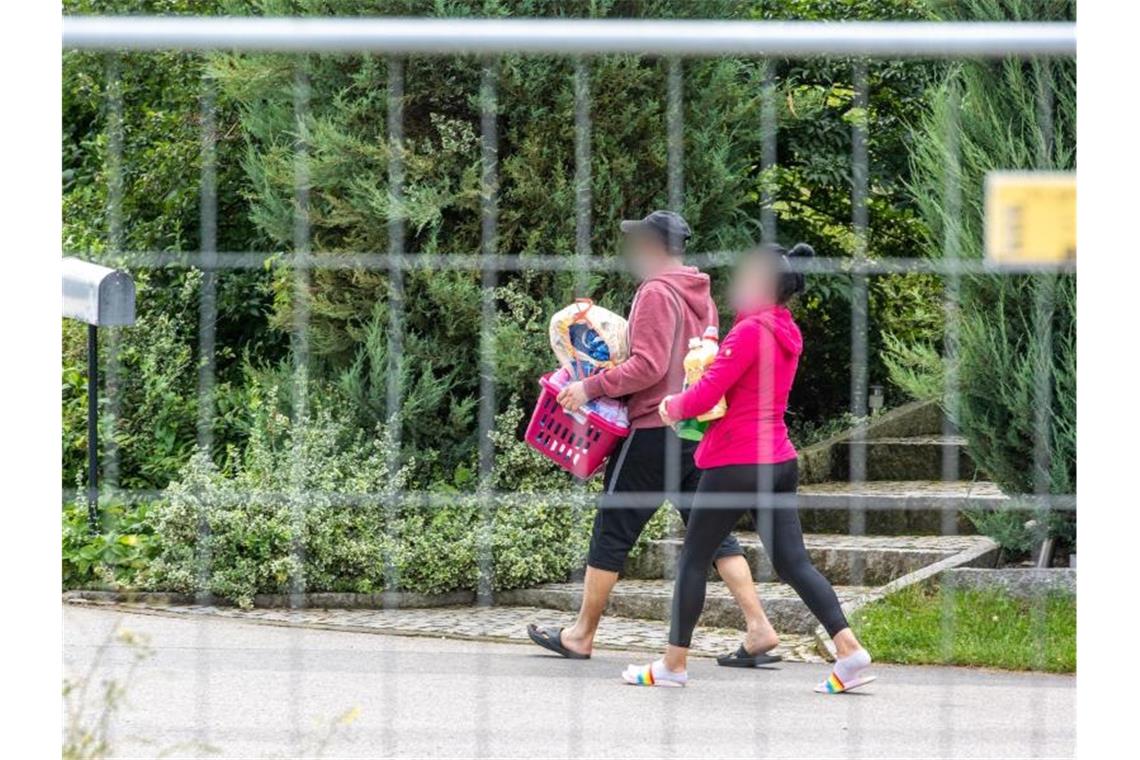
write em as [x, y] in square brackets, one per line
[736, 355]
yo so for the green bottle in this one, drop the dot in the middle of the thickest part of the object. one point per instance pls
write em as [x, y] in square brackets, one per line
[691, 430]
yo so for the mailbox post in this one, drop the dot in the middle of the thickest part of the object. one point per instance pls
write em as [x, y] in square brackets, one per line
[98, 296]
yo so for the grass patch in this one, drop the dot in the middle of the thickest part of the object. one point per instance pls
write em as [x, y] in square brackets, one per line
[927, 625]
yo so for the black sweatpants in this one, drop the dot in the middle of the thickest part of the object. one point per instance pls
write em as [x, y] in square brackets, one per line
[779, 530]
[636, 486]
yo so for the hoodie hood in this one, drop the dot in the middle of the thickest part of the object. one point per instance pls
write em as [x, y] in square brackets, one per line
[778, 320]
[693, 287]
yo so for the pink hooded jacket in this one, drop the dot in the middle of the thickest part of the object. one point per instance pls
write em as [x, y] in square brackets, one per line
[667, 310]
[753, 371]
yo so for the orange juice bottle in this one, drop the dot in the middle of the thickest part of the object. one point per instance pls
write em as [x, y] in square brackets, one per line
[702, 353]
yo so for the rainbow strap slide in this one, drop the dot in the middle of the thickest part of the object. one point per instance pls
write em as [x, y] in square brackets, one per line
[834, 686]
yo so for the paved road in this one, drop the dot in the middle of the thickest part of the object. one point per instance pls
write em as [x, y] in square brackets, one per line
[245, 690]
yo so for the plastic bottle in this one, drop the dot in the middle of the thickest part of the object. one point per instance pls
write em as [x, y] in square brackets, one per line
[702, 359]
[702, 353]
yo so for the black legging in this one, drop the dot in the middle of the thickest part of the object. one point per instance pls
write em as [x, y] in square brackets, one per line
[779, 530]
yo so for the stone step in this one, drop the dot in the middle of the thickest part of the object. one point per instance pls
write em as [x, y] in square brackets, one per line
[651, 600]
[844, 560]
[906, 458]
[896, 507]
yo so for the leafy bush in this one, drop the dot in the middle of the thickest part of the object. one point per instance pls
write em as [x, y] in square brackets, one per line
[918, 369]
[115, 555]
[1017, 531]
[317, 505]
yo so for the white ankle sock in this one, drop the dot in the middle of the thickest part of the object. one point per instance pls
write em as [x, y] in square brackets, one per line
[662, 673]
[846, 668]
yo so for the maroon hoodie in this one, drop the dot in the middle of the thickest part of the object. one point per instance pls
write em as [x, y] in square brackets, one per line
[667, 311]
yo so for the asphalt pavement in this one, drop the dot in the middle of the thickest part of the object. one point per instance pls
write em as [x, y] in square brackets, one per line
[222, 688]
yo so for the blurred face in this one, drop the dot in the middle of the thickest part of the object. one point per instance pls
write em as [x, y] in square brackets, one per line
[645, 253]
[753, 284]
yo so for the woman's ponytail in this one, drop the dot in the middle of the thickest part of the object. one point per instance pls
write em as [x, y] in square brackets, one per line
[793, 283]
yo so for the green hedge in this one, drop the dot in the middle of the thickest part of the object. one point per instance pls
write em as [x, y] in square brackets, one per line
[317, 505]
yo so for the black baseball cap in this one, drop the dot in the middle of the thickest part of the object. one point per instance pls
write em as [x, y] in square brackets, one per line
[669, 226]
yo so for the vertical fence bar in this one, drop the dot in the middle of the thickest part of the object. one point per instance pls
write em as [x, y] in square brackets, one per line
[115, 244]
[395, 355]
[583, 192]
[1045, 292]
[769, 236]
[857, 518]
[396, 242]
[951, 251]
[489, 212]
[489, 209]
[93, 521]
[769, 126]
[300, 347]
[675, 136]
[207, 329]
[583, 229]
[1045, 295]
[675, 127]
[208, 250]
[675, 181]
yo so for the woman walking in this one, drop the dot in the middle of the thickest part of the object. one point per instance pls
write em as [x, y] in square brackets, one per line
[746, 458]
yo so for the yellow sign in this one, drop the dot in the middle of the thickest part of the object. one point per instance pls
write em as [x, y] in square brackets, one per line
[1031, 218]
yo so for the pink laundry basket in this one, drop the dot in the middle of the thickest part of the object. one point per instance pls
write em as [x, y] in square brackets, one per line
[578, 447]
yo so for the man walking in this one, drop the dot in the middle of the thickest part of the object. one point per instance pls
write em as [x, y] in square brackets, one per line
[672, 304]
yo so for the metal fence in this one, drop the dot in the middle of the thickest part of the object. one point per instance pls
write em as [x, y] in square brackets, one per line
[675, 40]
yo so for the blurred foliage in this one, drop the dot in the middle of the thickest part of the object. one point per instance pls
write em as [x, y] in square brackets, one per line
[347, 152]
[149, 409]
[149, 415]
[1019, 532]
[1014, 329]
[112, 557]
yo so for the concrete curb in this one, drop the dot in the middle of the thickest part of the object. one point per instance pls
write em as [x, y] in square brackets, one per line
[318, 600]
[984, 554]
[1018, 582]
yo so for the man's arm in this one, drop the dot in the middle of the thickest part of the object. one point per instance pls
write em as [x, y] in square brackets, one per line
[653, 329]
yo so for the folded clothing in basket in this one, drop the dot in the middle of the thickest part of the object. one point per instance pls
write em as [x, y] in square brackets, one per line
[611, 410]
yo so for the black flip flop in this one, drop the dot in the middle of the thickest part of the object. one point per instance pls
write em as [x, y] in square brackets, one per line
[551, 638]
[741, 659]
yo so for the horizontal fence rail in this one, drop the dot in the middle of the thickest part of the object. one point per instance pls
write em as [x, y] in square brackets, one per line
[544, 262]
[567, 499]
[571, 36]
